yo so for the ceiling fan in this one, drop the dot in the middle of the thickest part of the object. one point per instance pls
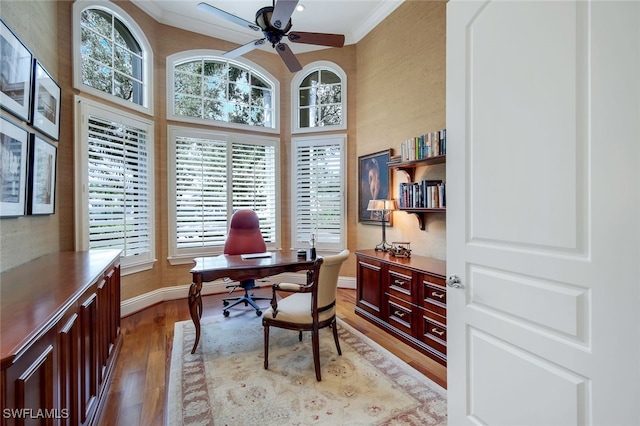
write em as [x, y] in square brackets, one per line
[275, 23]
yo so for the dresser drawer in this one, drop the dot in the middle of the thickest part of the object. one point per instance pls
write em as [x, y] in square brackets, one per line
[401, 283]
[400, 314]
[434, 332]
[434, 297]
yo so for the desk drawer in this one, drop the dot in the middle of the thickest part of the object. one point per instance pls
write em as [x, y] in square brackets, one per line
[401, 283]
[400, 314]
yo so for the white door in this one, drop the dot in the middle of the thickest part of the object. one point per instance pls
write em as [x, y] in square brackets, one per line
[543, 217]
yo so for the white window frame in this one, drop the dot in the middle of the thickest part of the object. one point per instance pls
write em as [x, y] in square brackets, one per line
[184, 56]
[83, 108]
[147, 55]
[178, 256]
[337, 139]
[295, 96]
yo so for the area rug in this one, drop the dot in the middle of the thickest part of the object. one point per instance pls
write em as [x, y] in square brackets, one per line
[225, 383]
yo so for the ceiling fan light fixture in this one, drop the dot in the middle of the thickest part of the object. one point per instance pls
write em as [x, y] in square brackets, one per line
[263, 20]
[270, 20]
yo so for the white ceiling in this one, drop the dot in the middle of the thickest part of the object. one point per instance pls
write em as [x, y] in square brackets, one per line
[353, 18]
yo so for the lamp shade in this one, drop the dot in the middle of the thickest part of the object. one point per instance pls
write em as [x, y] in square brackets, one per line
[379, 205]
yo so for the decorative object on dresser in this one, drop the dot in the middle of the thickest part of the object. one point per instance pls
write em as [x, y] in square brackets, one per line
[60, 328]
[400, 249]
[385, 207]
[406, 297]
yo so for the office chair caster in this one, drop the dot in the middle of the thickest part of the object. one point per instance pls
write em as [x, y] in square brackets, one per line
[225, 303]
[225, 313]
[258, 313]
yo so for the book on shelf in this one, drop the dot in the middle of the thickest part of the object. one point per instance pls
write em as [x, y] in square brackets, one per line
[425, 194]
[424, 146]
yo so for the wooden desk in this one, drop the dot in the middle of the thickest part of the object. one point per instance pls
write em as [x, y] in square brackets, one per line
[237, 269]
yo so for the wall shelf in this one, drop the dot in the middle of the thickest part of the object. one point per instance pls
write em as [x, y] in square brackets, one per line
[409, 168]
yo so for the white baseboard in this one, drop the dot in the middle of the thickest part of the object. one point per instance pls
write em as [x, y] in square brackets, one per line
[138, 303]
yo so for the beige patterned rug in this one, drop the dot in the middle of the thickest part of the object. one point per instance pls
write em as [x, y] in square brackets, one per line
[225, 383]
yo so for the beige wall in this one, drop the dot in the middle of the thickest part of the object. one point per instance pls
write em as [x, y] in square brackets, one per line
[25, 238]
[395, 91]
[401, 94]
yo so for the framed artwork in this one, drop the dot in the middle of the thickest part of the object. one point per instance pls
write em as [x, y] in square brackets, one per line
[374, 180]
[46, 102]
[42, 176]
[13, 169]
[17, 73]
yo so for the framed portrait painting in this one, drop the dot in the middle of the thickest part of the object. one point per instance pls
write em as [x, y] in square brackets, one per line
[42, 176]
[13, 169]
[16, 75]
[374, 184]
[46, 102]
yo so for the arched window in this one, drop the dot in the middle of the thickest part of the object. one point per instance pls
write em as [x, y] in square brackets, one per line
[320, 100]
[112, 55]
[204, 86]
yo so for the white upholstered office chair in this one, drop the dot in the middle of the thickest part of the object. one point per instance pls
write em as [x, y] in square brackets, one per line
[310, 307]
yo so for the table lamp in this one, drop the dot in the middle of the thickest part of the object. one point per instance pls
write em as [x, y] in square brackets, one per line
[383, 206]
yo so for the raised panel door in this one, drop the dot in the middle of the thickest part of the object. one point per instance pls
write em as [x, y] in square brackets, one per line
[543, 193]
[370, 286]
[89, 365]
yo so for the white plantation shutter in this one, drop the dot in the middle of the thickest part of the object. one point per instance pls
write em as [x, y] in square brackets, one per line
[213, 175]
[254, 183]
[318, 191]
[201, 192]
[116, 204]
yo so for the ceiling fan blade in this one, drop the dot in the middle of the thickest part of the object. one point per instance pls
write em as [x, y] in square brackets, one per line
[238, 51]
[323, 39]
[288, 57]
[227, 16]
[282, 12]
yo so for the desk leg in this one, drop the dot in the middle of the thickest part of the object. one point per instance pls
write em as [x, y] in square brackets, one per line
[195, 309]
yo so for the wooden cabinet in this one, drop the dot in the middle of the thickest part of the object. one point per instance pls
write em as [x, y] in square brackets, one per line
[405, 296]
[60, 328]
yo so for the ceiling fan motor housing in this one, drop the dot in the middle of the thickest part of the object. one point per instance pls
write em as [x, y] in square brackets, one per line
[273, 34]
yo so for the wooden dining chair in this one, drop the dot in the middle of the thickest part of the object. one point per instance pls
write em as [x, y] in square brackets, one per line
[309, 307]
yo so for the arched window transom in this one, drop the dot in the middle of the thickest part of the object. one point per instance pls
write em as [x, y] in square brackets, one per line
[220, 90]
[321, 98]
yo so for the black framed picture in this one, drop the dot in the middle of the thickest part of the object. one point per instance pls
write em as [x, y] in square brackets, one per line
[16, 63]
[13, 169]
[374, 180]
[42, 176]
[46, 102]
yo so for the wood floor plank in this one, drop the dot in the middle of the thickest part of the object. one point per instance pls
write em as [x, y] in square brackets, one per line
[138, 392]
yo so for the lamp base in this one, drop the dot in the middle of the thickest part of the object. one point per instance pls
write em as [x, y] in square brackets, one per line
[383, 246]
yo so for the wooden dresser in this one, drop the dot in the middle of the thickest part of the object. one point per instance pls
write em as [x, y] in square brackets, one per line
[59, 337]
[405, 296]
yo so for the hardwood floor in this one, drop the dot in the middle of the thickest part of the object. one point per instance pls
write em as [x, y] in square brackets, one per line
[138, 390]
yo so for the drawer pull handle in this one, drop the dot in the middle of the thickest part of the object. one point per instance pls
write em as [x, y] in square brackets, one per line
[436, 331]
[438, 295]
[399, 314]
[400, 283]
